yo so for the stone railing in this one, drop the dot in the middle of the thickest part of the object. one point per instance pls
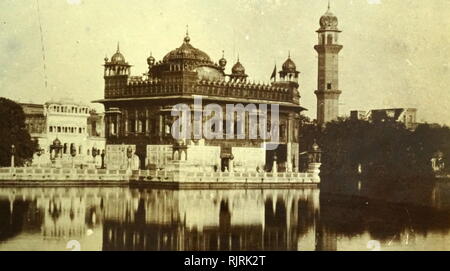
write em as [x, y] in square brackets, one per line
[63, 174]
[225, 177]
[90, 175]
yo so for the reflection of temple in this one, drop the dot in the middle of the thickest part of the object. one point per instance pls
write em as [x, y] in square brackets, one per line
[168, 219]
[54, 212]
[128, 219]
[210, 220]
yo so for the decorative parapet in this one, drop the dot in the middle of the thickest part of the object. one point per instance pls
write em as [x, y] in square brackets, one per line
[152, 87]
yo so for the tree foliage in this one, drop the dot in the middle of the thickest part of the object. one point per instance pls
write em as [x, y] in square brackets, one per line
[386, 156]
[383, 148]
[14, 132]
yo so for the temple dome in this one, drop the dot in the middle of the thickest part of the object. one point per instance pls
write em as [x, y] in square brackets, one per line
[187, 52]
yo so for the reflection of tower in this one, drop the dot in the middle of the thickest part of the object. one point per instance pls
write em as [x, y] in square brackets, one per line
[224, 215]
[327, 82]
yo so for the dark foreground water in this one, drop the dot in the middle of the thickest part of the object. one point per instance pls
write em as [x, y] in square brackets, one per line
[96, 218]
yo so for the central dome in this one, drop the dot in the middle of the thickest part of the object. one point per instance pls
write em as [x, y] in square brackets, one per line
[187, 52]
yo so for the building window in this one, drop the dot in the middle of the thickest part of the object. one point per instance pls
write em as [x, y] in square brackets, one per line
[329, 86]
[51, 129]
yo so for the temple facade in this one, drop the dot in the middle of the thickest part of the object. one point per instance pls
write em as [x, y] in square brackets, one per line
[138, 117]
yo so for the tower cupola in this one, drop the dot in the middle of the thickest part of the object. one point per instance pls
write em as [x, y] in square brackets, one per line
[289, 70]
[238, 71]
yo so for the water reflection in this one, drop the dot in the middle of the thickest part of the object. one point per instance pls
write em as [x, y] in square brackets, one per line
[117, 218]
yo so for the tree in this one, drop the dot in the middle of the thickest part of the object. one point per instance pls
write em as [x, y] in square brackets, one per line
[14, 132]
[393, 159]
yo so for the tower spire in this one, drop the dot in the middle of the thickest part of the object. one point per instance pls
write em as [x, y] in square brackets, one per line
[118, 47]
[328, 5]
[186, 38]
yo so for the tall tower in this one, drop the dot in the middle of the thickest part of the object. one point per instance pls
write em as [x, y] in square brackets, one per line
[328, 82]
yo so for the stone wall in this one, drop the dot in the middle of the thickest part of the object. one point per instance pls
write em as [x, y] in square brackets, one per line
[248, 159]
[158, 155]
[116, 156]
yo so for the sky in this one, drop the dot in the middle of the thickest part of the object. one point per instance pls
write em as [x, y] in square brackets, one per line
[396, 52]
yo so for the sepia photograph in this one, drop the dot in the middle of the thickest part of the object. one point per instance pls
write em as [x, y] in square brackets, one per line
[224, 125]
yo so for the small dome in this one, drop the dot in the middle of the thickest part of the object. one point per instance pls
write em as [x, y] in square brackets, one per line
[238, 69]
[328, 21]
[106, 59]
[289, 66]
[56, 142]
[118, 57]
[315, 147]
[222, 61]
[150, 60]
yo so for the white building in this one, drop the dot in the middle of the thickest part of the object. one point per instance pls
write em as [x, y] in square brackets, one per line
[73, 124]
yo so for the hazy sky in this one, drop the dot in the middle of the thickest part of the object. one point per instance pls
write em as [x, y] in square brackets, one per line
[396, 52]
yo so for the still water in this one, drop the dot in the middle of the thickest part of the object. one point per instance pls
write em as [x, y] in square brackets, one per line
[118, 218]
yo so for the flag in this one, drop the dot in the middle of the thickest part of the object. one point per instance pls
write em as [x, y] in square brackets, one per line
[274, 73]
